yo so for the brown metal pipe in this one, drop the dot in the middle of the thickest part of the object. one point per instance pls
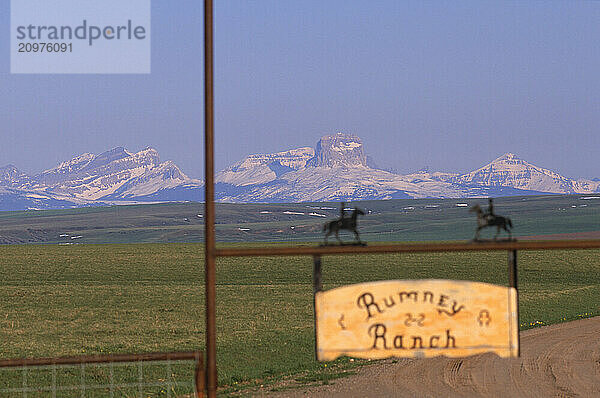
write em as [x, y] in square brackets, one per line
[317, 279]
[512, 269]
[317, 287]
[209, 211]
[513, 282]
[200, 379]
[77, 360]
[409, 248]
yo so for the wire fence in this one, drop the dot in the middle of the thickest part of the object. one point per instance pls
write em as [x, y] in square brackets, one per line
[178, 374]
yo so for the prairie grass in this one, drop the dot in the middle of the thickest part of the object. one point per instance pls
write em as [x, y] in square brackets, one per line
[88, 299]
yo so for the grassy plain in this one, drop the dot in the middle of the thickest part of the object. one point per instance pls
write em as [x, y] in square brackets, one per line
[386, 220]
[82, 299]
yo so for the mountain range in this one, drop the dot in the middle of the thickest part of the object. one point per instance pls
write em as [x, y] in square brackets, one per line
[336, 169]
[113, 177]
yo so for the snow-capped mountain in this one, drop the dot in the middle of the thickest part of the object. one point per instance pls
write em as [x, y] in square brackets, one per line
[15, 199]
[339, 150]
[336, 183]
[10, 176]
[337, 169]
[261, 169]
[510, 171]
[113, 176]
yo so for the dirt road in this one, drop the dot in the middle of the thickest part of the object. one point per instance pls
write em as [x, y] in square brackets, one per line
[556, 361]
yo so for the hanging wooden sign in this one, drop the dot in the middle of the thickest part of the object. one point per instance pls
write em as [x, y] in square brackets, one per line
[416, 318]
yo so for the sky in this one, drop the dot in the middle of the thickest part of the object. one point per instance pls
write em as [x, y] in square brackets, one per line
[444, 84]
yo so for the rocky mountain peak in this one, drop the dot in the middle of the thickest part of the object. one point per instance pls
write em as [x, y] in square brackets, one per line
[106, 158]
[148, 150]
[148, 155]
[11, 176]
[75, 164]
[169, 170]
[264, 168]
[9, 169]
[510, 171]
[339, 150]
[510, 158]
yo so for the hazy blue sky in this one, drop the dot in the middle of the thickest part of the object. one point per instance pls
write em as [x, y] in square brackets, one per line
[448, 84]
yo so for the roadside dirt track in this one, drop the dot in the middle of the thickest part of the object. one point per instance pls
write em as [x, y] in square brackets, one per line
[556, 361]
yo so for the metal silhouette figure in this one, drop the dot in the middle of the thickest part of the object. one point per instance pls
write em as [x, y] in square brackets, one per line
[490, 211]
[347, 223]
[490, 219]
[342, 210]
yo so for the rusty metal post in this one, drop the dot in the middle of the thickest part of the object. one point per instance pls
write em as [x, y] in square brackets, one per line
[111, 358]
[512, 269]
[200, 377]
[317, 287]
[209, 211]
[409, 248]
[513, 282]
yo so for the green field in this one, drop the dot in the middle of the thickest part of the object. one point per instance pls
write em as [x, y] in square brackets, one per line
[386, 220]
[82, 299]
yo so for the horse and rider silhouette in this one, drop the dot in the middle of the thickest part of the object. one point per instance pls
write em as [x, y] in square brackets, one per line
[490, 219]
[347, 223]
[484, 219]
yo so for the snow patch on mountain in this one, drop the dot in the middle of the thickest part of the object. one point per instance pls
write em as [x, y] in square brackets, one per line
[510, 171]
[164, 176]
[583, 185]
[423, 175]
[264, 168]
[339, 150]
[339, 183]
[10, 176]
[73, 165]
[337, 169]
[116, 174]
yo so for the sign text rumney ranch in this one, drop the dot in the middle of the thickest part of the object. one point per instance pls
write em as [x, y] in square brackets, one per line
[416, 318]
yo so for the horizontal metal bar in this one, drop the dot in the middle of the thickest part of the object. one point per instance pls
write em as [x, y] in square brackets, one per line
[85, 359]
[96, 364]
[98, 386]
[409, 248]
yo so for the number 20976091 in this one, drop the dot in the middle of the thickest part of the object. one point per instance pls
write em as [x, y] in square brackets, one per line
[45, 47]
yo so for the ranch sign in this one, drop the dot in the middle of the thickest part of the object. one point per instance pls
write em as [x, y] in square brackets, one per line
[416, 318]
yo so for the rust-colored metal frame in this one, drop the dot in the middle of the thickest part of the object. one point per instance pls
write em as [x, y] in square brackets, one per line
[211, 252]
[411, 248]
[209, 205]
[511, 247]
[197, 356]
